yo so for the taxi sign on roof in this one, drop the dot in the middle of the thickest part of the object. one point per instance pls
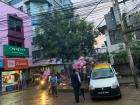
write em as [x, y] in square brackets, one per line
[102, 66]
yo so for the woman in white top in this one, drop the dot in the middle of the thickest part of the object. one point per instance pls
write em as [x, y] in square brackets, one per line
[49, 84]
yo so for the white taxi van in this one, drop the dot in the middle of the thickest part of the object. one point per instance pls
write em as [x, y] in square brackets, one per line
[104, 82]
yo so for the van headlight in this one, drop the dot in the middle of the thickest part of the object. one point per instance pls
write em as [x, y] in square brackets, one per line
[114, 86]
[91, 87]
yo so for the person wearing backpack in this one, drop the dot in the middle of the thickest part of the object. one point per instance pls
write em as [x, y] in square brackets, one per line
[54, 83]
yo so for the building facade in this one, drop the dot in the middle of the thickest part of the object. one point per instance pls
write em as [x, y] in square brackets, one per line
[112, 29]
[15, 46]
[34, 8]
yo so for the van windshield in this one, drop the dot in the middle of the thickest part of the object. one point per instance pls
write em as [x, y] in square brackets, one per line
[102, 73]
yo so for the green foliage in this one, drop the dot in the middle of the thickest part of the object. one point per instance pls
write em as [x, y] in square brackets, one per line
[103, 57]
[135, 47]
[120, 57]
[63, 35]
[124, 24]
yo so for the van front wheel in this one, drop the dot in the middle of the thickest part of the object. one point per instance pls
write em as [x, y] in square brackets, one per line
[120, 96]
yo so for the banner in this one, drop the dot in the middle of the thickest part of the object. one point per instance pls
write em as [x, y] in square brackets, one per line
[16, 64]
[15, 51]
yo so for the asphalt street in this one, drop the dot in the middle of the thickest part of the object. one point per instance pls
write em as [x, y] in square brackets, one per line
[35, 96]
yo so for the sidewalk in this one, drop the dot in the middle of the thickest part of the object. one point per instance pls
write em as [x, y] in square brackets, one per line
[29, 87]
[122, 80]
[127, 80]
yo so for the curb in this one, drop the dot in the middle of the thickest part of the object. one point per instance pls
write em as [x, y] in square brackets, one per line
[127, 83]
[15, 91]
[5, 93]
[87, 90]
[66, 90]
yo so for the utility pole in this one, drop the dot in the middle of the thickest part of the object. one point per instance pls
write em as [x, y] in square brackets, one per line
[128, 50]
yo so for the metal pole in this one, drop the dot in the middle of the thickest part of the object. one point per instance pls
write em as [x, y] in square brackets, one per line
[129, 53]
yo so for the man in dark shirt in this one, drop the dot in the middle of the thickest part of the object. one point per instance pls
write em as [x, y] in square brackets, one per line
[76, 85]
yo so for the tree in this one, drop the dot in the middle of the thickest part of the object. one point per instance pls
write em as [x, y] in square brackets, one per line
[63, 35]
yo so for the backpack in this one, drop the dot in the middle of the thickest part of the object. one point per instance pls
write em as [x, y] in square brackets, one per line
[53, 81]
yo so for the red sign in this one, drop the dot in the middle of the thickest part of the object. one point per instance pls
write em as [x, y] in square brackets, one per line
[15, 64]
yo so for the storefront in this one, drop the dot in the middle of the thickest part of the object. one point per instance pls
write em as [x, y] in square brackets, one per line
[15, 63]
[1, 67]
[13, 72]
[10, 80]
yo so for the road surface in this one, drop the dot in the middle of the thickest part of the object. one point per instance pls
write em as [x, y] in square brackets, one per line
[35, 96]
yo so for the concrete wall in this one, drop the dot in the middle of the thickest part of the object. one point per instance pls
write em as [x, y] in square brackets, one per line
[112, 48]
[19, 4]
[123, 69]
[100, 41]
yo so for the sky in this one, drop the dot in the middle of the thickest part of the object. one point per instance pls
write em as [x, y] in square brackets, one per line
[97, 15]
[100, 40]
[96, 18]
[76, 1]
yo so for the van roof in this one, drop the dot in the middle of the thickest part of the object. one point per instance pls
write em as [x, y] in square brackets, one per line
[101, 66]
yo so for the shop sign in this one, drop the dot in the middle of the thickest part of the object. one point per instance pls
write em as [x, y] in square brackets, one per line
[1, 63]
[16, 64]
[16, 51]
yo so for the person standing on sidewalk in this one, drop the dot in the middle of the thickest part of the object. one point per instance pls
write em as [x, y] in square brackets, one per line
[24, 83]
[49, 84]
[54, 83]
[76, 83]
[19, 86]
[82, 90]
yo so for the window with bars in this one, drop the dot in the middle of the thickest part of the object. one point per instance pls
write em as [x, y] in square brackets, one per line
[15, 24]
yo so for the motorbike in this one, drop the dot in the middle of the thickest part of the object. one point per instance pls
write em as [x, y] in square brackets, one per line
[43, 84]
